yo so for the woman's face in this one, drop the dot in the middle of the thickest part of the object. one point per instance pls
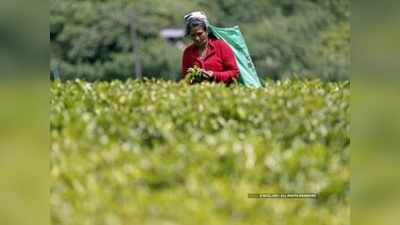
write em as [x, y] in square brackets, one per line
[199, 36]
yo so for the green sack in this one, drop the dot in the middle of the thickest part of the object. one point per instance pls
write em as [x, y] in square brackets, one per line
[234, 38]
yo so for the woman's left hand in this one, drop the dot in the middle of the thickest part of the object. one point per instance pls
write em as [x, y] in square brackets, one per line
[207, 73]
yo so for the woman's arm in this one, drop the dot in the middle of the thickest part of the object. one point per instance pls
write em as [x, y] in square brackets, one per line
[231, 70]
[185, 63]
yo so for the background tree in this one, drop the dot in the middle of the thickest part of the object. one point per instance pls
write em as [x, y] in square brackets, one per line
[91, 39]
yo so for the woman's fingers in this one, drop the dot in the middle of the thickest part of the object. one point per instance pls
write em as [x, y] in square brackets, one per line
[207, 73]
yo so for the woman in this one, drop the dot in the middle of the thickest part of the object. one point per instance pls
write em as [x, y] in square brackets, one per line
[213, 56]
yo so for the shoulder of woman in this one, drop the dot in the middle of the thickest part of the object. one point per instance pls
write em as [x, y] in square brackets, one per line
[220, 43]
[189, 48]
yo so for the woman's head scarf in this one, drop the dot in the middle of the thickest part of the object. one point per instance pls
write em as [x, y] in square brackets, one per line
[197, 15]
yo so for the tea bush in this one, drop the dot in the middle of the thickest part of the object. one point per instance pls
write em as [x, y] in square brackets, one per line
[160, 152]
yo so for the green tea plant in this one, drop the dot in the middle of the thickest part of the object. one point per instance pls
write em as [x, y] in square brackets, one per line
[195, 75]
[160, 152]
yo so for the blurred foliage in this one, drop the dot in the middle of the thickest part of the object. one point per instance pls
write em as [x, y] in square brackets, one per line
[24, 45]
[24, 147]
[161, 152]
[91, 39]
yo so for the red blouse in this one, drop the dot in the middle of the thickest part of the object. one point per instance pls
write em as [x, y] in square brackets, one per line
[219, 58]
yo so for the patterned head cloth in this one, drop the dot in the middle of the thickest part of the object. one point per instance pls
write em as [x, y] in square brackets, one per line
[196, 14]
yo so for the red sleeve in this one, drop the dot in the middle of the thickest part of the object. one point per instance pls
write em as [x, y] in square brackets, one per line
[185, 62]
[231, 69]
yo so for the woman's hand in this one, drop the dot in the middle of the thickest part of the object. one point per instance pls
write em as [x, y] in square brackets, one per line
[207, 73]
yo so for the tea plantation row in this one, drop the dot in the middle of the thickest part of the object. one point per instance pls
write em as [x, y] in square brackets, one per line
[157, 152]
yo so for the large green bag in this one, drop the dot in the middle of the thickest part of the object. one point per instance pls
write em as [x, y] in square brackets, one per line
[234, 38]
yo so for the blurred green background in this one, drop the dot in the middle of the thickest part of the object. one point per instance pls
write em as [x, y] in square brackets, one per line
[375, 118]
[91, 39]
